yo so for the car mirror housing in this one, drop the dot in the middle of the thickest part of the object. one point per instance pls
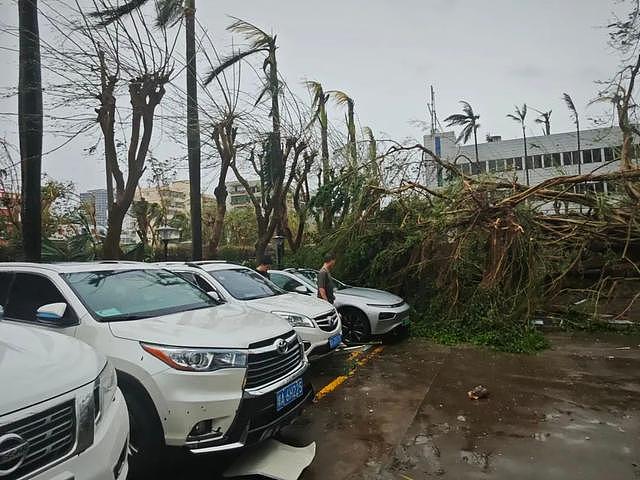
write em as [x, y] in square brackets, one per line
[51, 313]
[216, 296]
[301, 289]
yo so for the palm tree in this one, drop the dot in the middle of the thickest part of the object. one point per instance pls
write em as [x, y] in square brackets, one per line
[544, 119]
[30, 127]
[574, 113]
[320, 99]
[520, 117]
[342, 98]
[170, 12]
[469, 121]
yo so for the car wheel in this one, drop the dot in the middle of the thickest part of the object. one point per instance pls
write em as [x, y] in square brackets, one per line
[355, 326]
[146, 440]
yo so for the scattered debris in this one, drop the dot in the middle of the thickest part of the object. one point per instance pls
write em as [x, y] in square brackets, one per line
[476, 393]
[462, 418]
[273, 459]
[623, 348]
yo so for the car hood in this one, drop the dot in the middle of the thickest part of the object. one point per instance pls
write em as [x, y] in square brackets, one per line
[36, 365]
[224, 326]
[292, 302]
[377, 296]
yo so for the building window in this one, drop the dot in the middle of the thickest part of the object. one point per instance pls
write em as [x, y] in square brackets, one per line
[537, 161]
[608, 154]
[466, 168]
[518, 163]
[478, 168]
[576, 157]
[586, 156]
[596, 155]
[500, 165]
[492, 165]
[547, 160]
[566, 158]
[509, 163]
[556, 160]
[239, 199]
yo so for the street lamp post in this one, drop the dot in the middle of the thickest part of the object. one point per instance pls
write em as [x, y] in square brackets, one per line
[168, 234]
[279, 239]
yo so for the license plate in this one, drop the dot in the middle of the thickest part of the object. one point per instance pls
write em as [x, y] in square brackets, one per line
[289, 394]
[335, 341]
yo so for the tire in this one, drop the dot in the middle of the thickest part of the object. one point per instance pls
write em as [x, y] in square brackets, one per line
[146, 438]
[356, 328]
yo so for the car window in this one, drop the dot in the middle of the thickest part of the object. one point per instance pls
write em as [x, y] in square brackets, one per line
[203, 284]
[5, 283]
[108, 294]
[284, 282]
[28, 293]
[245, 284]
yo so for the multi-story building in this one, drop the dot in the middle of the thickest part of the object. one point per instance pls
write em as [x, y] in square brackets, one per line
[237, 194]
[98, 199]
[174, 197]
[547, 156]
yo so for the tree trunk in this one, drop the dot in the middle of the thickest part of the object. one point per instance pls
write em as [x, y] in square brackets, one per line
[193, 133]
[327, 213]
[475, 142]
[526, 164]
[30, 127]
[353, 150]
[111, 245]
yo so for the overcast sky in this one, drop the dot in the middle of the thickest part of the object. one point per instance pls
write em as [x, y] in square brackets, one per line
[385, 54]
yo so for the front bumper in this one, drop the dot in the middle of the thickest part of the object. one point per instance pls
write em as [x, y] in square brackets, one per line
[316, 340]
[383, 320]
[257, 419]
[106, 459]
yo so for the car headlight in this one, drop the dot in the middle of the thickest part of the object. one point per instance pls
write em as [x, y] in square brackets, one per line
[104, 390]
[383, 305]
[296, 319]
[198, 359]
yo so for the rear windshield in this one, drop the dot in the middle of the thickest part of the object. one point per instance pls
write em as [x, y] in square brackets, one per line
[134, 294]
[245, 284]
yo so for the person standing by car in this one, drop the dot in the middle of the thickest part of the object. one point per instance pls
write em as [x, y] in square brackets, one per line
[326, 287]
[264, 265]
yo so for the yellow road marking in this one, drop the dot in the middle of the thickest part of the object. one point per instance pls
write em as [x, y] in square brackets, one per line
[336, 382]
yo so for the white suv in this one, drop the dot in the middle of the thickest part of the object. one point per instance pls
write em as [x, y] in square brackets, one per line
[317, 322]
[61, 413]
[194, 373]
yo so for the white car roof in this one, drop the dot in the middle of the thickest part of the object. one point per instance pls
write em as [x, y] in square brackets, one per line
[73, 267]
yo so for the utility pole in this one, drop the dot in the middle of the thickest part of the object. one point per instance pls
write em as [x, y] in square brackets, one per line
[193, 132]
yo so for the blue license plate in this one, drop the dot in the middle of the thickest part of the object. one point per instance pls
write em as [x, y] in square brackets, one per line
[289, 394]
[335, 341]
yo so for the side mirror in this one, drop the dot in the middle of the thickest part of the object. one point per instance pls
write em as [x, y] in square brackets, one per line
[52, 312]
[216, 296]
[301, 289]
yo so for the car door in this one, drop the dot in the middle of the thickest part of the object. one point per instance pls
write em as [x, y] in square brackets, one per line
[22, 293]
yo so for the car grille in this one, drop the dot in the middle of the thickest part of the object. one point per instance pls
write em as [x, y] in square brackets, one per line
[267, 367]
[328, 321]
[50, 436]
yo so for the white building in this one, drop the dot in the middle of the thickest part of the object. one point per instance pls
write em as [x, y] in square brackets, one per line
[548, 156]
[237, 194]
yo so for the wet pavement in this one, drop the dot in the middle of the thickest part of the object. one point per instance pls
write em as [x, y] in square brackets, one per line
[572, 412]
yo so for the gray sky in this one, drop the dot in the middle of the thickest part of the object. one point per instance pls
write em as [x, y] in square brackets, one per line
[492, 53]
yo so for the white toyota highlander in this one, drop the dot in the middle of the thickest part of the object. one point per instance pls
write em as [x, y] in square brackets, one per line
[194, 373]
[61, 413]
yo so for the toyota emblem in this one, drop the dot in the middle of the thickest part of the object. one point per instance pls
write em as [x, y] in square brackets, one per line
[282, 346]
[13, 451]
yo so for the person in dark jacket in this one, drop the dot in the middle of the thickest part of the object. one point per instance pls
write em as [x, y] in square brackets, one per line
[264, 265]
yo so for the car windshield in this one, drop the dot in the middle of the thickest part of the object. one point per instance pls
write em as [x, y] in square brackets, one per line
[245, 284]
[311, 276]
[119, 295]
